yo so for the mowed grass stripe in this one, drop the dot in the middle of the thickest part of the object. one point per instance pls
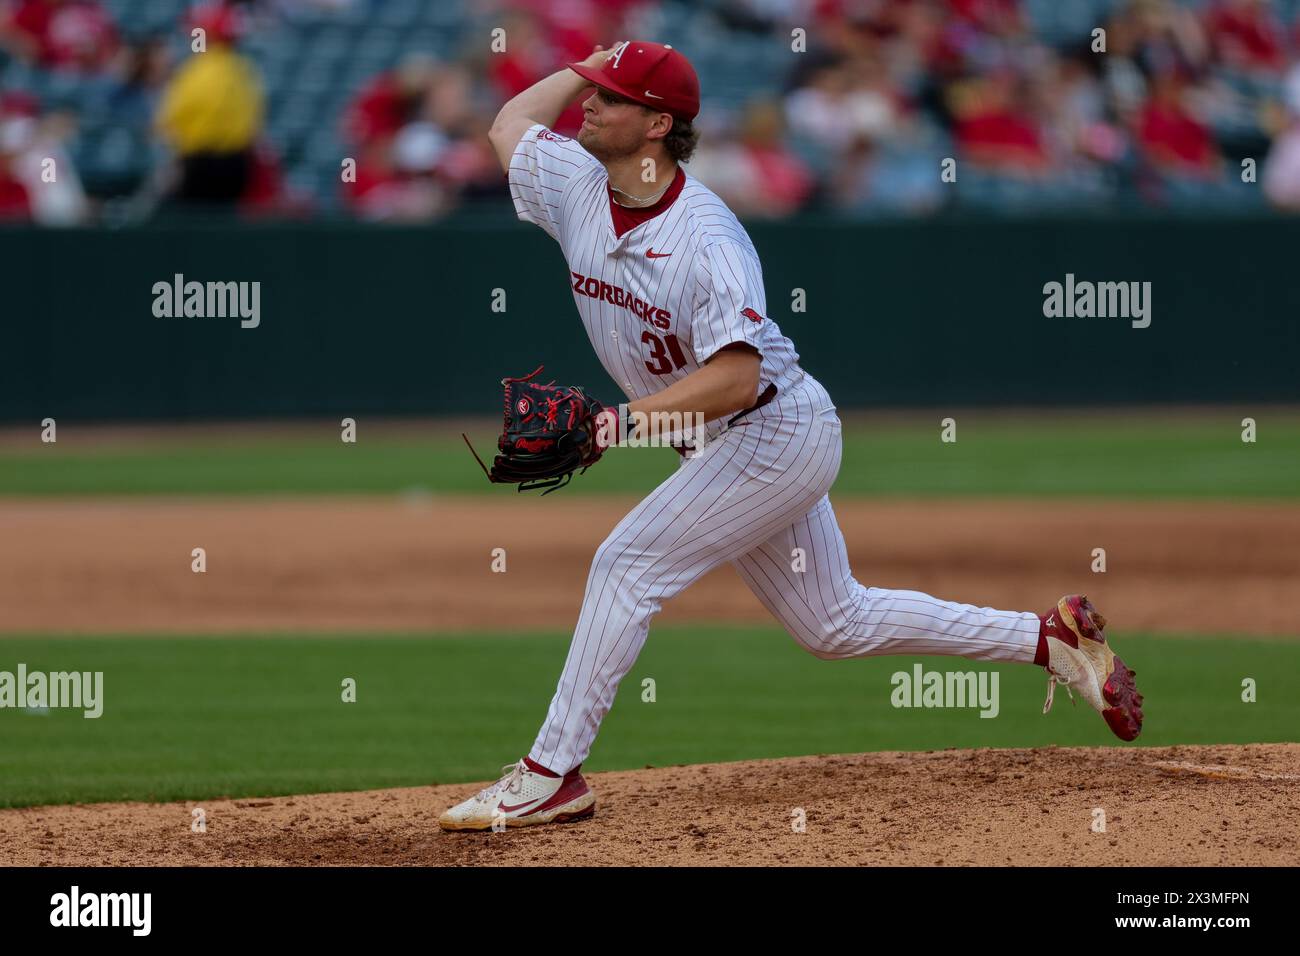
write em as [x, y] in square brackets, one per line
[199, 718]
[1129, 458]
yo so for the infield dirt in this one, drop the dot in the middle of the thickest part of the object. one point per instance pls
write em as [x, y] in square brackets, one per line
[1206, 806]
[424, 564]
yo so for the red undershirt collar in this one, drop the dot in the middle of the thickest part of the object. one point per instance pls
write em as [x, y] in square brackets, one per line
[626, 218]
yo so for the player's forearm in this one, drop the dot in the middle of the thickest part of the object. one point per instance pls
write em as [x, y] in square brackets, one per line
[724, 386]
[543, 102]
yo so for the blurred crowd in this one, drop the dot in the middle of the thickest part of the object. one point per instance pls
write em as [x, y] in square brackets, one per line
[850, 107]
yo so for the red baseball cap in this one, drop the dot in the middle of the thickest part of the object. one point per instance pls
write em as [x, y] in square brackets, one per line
[651, 74]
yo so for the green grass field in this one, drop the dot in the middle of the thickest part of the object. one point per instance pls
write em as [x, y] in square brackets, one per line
[255, 714]
[1130, 457]
[200, 718]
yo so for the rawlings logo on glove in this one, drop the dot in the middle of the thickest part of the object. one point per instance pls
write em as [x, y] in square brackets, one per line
[549, 433]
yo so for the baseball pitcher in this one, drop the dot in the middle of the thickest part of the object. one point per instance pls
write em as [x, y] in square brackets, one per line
[670, 290]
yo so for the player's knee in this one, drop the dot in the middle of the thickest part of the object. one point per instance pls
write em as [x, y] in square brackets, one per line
[814, 639]
[829, 650]
[613, 559]
[830, 639]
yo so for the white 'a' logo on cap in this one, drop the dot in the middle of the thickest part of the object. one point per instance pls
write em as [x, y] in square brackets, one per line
[616, 54]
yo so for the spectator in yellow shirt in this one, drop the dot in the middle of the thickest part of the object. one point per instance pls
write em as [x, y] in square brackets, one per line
[211, 115]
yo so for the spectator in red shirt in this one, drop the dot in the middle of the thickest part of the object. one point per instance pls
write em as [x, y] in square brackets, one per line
[572, 27]
[390, 101]
[1246, 35]
[267, 194]
[1000, 17]
[397, 181]
[756, 175]
[994, 129]
[13, 196]
[528, 57]
[75, 34]
[1174, 140]
[17, 114]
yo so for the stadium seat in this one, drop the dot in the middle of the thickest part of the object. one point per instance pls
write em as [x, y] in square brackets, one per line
[399, 14]
[313, 60]
[1065, 23]
[378, 45]
[450, 14]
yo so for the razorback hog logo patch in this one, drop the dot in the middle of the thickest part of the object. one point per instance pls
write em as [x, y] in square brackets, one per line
[751, 315]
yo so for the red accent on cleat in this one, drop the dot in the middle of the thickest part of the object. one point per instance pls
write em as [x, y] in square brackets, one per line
[1085, 616]
[572, 787]
[1124, 716]
[1091, 623]
[1073, 619]
[535, 767]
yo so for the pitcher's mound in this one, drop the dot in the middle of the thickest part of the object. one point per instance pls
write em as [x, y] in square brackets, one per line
[1108, 806]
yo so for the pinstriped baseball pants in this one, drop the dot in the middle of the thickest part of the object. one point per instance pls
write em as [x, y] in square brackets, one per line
[751, 497]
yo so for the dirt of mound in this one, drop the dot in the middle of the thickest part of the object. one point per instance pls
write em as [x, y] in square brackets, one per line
[1167, 806]
[427, 563]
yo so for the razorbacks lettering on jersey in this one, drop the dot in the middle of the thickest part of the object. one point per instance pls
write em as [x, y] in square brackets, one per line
[659, 300]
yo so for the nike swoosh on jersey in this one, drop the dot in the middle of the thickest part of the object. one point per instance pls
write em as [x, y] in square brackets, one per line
[651, 254]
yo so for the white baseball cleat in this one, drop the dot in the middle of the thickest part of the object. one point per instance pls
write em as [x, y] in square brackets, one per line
[1080, 658]
[522, 798]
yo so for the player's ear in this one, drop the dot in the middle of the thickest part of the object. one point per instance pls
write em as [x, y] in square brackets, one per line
[660, 126]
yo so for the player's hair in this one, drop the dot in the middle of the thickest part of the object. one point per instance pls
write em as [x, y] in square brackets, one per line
[681, 140]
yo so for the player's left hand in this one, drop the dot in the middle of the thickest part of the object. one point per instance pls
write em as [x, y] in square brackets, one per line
[549, 432]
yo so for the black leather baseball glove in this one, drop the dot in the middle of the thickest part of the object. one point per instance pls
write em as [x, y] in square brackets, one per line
[548, 434]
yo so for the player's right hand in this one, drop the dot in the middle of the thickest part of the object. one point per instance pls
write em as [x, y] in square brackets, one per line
[598, 56]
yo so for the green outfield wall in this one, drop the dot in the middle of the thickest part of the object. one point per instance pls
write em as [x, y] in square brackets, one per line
[372, 320]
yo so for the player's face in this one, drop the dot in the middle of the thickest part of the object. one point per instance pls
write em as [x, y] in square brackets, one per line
[612, 126]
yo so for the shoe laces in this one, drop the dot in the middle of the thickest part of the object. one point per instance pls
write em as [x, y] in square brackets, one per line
[1052, 680]
[512, 779]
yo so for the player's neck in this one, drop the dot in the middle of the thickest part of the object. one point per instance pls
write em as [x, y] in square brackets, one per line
[628, 178]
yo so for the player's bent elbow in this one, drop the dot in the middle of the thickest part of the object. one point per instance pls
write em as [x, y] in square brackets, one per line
[746, 387]
[740, 366]
[508, 129]
[504, 135]
[746, 396]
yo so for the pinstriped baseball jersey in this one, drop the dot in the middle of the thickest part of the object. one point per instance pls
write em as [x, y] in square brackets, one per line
[657, 302]
[661, 299]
